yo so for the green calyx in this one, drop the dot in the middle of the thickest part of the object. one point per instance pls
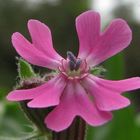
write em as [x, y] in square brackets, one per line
[25, 70]
[98, 71]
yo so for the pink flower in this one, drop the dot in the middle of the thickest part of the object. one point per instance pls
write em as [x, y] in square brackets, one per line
[74, 91]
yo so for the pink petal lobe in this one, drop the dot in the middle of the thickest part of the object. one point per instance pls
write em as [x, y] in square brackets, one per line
[107, 94]
[31, 54]
[88, 110]
[28, 94]
[42, 39]
[62, 116]
[88, 29]
[51, 96]
[75, 102]
[114, 39]
[119, 86]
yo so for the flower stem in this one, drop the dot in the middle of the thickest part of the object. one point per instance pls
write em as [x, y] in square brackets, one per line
[36, 116]
[76, 131]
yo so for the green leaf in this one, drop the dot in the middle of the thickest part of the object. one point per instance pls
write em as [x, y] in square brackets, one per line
[25, 70]
[3, 91]
[115, 67]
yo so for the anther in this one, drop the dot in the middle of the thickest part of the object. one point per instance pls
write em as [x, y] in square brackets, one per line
[71, 57]
[78, 63]
[74, 63]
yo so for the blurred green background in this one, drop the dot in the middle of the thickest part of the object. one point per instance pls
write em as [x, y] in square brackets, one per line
[60, 16]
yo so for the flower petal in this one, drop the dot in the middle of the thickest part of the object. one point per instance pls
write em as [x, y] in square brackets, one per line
[75, 102]
[118, 85]
[113, 40]
[88, 110]
[51, 96]
[28, 94]
[42, 39]
[107, 93]
[31, 54]
[88, 29]
[62, 116]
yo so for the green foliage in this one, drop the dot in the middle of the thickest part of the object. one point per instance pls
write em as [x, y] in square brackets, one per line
[25, 70]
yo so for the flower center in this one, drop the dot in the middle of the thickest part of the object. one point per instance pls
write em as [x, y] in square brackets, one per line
[74, 63]
[73, 68]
